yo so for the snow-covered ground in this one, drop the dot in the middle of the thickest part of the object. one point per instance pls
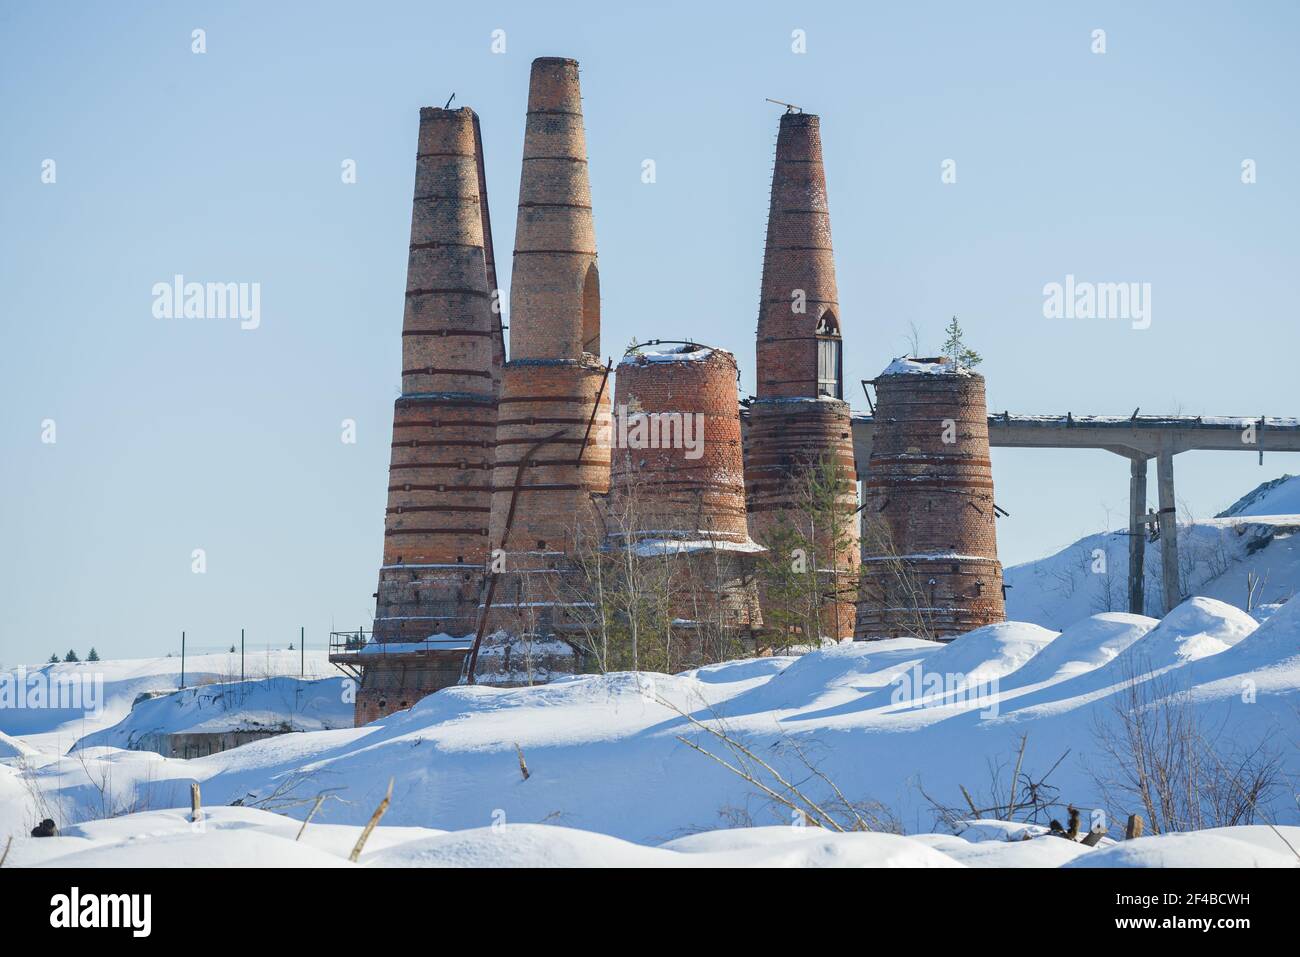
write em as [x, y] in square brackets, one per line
[625, 768]
[279, 705]
[243, 837]
[613, 777]
[1252, 540]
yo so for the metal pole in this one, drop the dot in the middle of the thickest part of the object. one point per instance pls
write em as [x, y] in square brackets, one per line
[302, 652]
[182, 659]
[1137, 535]
[241, 654]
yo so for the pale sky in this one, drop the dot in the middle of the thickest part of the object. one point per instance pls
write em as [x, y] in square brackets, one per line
[224, 166]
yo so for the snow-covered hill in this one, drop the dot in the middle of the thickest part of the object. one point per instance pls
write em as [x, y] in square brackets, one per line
[617, 754]
[1252, 540]
[112, 686]
[265, 704]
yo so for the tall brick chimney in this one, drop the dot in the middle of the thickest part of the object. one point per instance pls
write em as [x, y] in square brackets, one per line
[553, 423]
[930, 565]
[555, 286]
[799, 417]
[444, 423]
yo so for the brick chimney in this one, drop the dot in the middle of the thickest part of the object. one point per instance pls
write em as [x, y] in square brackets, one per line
[444, 424]
[800, 301]
[553, 422]
[799, 418]
[555, 286]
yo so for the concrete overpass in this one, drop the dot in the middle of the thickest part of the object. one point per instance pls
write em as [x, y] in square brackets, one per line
[1137, 438]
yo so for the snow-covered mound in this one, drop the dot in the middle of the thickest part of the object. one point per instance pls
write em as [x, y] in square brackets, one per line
[1197, 628]
[1253, 540]
[270, 704]
[1199, 849]
[115, 685]
[1083, 646]
[1278, 497]
[243, 837]
[992, 651]
[11, 748]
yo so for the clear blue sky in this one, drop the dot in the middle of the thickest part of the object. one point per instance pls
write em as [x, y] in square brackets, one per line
[184, 434]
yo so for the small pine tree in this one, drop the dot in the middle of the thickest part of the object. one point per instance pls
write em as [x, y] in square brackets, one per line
[291, 647]
[71, 656]
[54, 659]
[93, 656]
[232, 649]
[959, 355]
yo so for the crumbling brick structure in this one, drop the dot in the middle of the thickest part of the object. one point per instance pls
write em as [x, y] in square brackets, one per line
[930, 559]
[677, 491]
[552, 434]
[444, 430]
[799, 417]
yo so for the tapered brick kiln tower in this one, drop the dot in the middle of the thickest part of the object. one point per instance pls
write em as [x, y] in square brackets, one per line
[930, 556]
[677, 491]
[444, 423]
[552, 433]
[799, 416]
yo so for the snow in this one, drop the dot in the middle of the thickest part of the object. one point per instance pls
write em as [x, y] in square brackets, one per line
[243, 837]
[1082, 647]
[650, 547]
[907, 365]
[1255, 538]
[121, 681]
[13, 748]
[1203, 849]
[271, 704]
[613, 781]
[681, 353]
[1278, 497]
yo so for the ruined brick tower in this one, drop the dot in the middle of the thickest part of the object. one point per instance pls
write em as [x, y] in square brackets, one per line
[799, 417]
[677, 491]
[444, 422]
[930, 558]
[552, 434]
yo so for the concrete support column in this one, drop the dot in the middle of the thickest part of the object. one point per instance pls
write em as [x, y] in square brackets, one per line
[1168, 528]
[1137, 532]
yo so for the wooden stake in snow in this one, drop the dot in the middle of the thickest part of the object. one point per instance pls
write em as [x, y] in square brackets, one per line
[196, 803]
[1134, 828]
[8, 844]
[370, 825]
[320, 799]
[523, 765]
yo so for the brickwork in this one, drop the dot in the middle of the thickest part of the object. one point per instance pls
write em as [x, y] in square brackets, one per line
[444, 423]
[690, 493]
[795, 421]
[784, 440]
[555, 287]
[929, 486]
[554, 388]
[799, 293]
